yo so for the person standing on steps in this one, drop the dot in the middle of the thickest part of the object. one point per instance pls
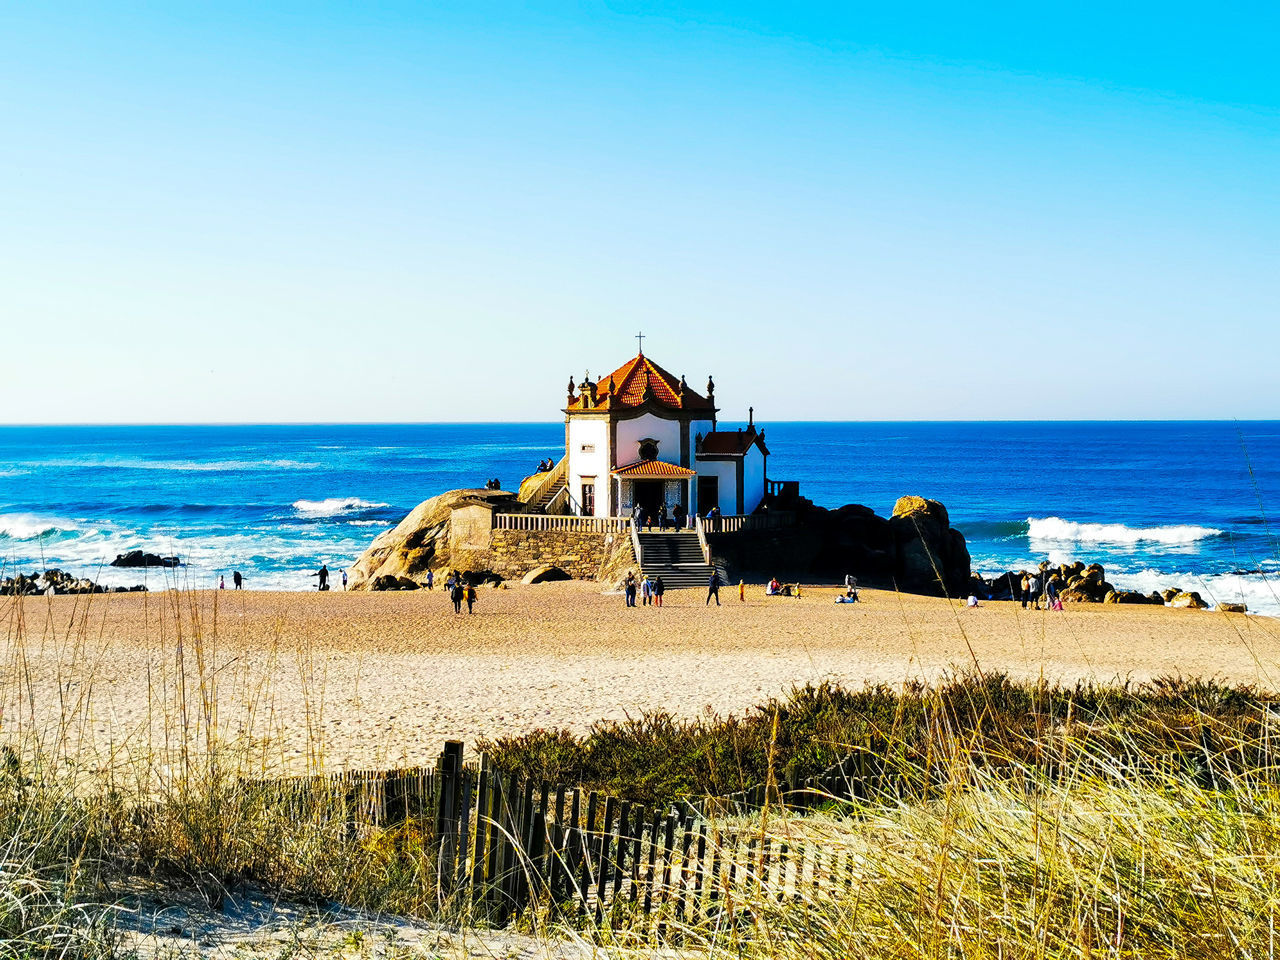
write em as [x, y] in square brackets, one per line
[662, 517]
[659, 588]
[713, 588]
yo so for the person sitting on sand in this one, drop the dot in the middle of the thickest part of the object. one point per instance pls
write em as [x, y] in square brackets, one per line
[773, 589]
[972, 601]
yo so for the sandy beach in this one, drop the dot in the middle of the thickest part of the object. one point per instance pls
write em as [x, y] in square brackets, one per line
[372, 679]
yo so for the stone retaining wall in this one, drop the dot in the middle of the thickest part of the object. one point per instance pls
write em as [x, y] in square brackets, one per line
[513, 553]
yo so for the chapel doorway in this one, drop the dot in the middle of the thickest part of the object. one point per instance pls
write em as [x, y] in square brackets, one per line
[648, 495]
[708, 494]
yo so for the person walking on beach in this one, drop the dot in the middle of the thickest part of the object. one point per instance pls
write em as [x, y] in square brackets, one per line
[646, 590]
[222, 582]
[323, 574]
[659, 588]
[1026, 590]
[629, 589]
[713, 588]
[456, 593]
[344, 579]
[1034, 590]
[237, 581]
[470, 595]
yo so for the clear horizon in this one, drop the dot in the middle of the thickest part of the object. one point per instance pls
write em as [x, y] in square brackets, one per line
[290, 213]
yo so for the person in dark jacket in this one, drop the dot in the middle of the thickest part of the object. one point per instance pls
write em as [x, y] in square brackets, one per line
[456, 593]
[659, 588]
[713, 588]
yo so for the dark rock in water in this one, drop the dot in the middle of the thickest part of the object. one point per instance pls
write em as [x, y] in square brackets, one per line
[136, 558]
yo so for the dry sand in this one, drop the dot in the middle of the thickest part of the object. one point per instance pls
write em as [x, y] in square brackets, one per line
[366, 679]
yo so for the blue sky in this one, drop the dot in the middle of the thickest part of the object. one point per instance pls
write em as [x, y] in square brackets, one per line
[314, 211]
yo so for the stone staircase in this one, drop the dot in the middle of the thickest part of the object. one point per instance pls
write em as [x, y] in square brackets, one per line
[676, 557]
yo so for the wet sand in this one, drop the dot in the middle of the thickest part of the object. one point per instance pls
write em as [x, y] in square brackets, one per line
[373, 679]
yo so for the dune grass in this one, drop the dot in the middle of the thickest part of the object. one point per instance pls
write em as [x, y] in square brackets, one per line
[998, 861]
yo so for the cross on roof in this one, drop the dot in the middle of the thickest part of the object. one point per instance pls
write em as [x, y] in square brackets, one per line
[640, 337]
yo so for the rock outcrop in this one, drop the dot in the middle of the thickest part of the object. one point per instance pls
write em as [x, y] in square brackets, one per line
[27, 585]
[417, 543]
[138, 558]
[928, 552]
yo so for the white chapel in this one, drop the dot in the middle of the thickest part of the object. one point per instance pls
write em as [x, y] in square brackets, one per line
[640, 437]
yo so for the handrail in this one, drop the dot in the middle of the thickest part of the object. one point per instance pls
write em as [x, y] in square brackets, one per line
[702, 539]
[635, 542]
[549, 479]
[774, 520]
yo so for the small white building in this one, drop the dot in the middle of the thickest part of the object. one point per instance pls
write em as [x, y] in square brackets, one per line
[642, 437]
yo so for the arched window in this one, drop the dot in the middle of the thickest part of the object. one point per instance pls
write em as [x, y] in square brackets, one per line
[648, 449]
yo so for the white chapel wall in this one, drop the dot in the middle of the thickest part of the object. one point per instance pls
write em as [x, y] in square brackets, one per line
[727, 472]
[593, 462]
[631, 432]
[752, 480]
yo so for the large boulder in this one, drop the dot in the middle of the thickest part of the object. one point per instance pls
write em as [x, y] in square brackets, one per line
[418, 543]
[1232, 608]
[1190, 600]
[1128, 596]
[929, 554]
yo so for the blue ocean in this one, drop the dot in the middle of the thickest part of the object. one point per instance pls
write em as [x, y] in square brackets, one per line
[1158, 504]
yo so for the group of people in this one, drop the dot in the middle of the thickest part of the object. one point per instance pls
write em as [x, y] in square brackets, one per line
[236, 579]
[323, 575]
[650, 589]
[1036, 586]
[545, 466]
[493, 484]
[850, 590]
[460, 591]
[775, 589]
[647, 519]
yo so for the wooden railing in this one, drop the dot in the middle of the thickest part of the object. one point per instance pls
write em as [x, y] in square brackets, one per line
[542, 521]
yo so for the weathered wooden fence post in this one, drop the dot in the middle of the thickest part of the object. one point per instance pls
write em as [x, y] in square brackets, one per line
[448, 816]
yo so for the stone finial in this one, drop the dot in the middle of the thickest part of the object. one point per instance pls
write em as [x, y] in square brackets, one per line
[711, 387]
[571, 388]
[612, 388]
[683, 386]
[751, 416]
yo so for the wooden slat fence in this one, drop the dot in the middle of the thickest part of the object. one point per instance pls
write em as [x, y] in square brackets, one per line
[503, 844]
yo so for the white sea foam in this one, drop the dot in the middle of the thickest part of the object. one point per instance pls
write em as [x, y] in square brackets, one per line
[367, 523]
[1260, 592]
[1055, 528]
[334, 506]
[28, 526]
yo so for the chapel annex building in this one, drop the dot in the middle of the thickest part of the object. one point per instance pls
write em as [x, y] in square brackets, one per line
[640, 437]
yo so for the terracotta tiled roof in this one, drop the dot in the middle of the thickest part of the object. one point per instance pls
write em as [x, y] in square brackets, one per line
[653, 470]
[640, 380]
[731, 442]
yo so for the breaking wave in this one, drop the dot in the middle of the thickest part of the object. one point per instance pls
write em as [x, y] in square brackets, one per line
[28, 526]
[334, 506]
[1055, 528]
